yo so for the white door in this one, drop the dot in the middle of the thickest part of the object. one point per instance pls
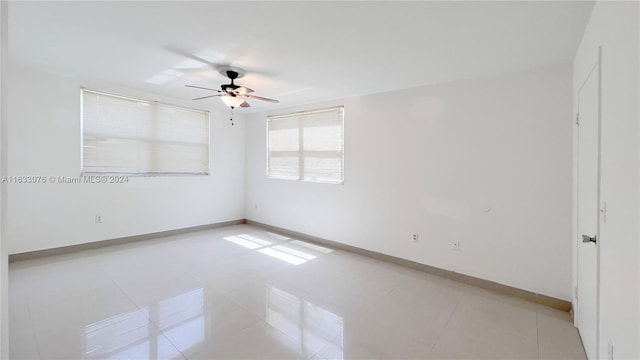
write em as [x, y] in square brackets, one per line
[588, 217]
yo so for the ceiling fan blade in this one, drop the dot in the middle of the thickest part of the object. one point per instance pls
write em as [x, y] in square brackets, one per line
[245, 104]
[221, 61]
[203, 88]
[191, 56]
[206, 97]
[243, 90]
[262, 98]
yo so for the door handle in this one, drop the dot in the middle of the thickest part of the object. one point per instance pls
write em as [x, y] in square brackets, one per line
[587, 239]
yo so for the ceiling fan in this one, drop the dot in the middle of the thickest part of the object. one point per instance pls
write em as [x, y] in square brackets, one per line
[232, 95]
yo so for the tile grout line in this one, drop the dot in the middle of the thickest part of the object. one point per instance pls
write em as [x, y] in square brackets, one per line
[537, 333]
[394, 288]
[444, 328]
[139, 309]
[33, 329]
[52, 327]
[265, 322]
[317, 353]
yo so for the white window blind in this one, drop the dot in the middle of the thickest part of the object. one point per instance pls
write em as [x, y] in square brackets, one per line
[124, 135]
[307, 146]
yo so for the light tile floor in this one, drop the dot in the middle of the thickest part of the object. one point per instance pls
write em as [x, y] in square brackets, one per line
[243, 292]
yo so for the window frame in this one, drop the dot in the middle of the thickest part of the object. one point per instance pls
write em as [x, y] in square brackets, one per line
[301, 161]
[141, 173]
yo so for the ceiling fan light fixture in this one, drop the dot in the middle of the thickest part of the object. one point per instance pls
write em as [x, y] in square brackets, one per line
[232, 101]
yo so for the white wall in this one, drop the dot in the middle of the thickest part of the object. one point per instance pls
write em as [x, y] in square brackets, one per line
[484, 161]
[4, 268]
[44, 139]
[615, 27]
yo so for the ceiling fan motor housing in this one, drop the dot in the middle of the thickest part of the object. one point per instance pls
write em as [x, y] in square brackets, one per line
[231, 74]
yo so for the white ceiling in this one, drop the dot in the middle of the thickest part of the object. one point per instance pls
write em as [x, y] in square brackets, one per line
[297, 52]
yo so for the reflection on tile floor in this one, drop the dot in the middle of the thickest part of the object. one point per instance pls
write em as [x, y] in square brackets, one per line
[246, 293]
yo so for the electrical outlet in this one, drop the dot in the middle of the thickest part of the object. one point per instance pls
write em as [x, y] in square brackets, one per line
[98, 219]
[455, 245]
[415, 237]
[610, 350]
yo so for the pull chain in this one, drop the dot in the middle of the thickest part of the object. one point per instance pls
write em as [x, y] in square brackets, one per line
[231, 115]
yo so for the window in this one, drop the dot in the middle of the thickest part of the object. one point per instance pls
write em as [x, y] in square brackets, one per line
[307, 146]
[129, 136]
